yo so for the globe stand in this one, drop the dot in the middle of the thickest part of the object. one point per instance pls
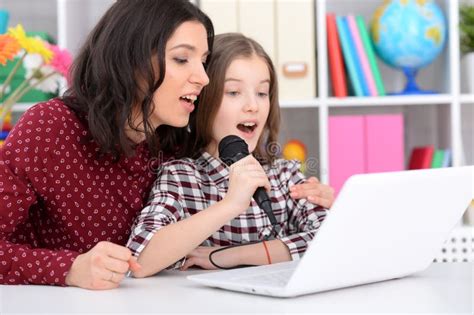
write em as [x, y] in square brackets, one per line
[411, 88]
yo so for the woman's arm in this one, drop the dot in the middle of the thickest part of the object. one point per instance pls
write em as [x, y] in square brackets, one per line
[168, 236]
[315, 192]
[24, 164]
[19, 263]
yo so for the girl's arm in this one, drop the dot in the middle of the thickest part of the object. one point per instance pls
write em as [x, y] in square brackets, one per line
[254, 254]
[304, 220]
[164, 235]
[175, 240]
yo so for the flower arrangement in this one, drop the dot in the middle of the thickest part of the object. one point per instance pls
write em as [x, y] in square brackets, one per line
[466, 26]
[46, 68]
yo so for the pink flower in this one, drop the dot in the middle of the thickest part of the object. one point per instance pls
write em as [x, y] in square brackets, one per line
[61, 61]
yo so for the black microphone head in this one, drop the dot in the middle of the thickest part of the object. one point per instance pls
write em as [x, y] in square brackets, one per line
[232, 148]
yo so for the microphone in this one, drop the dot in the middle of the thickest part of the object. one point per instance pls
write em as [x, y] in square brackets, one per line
[233, 148]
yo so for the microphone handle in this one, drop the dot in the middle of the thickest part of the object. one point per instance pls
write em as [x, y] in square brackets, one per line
[263, 201]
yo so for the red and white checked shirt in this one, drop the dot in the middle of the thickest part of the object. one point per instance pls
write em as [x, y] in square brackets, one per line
[185, 187]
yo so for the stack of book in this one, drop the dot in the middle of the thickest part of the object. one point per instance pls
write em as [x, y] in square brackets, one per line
[429, 157]
[352, 64]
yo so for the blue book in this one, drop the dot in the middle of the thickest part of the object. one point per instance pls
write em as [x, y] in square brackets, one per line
[447, 158]
[356, 58]
[348, 50]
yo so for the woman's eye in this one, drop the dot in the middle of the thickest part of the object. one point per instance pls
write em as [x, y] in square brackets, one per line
[180, 60]
[262, 94]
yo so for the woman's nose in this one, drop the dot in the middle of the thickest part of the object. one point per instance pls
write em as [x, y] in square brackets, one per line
[200, 76]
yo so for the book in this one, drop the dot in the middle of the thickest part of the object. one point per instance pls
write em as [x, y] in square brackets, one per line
[348, 53]
[438, 157]
[369, 49]
[367, 77]
[421, 157]
[355, 58]
[446, 158]
[336, 64]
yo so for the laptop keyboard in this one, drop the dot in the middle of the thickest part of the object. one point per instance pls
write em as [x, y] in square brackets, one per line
[279, 278]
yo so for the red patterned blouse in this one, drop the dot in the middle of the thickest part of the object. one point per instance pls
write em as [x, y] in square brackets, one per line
[57, 199]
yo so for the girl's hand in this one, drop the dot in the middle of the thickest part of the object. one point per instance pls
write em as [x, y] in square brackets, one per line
[200, 258]
[103, 267]
[245, 177]
[314, 191]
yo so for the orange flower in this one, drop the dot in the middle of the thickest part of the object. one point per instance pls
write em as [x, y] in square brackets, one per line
[9, 47]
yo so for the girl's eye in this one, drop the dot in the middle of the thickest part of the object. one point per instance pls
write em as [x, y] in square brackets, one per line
[232, 93]
[262, 94]
[180, 60]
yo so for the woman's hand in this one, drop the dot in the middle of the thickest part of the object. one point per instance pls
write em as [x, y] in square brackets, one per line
[314, 191]
[245, 177]
[101, 268]
[200, 258]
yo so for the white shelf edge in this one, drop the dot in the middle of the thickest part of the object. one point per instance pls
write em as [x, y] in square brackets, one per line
[21, 107]
[466, 98]
[438, 99]
[309, 103]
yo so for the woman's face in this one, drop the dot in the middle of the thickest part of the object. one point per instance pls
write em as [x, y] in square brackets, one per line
[245, 104]
[185, 53]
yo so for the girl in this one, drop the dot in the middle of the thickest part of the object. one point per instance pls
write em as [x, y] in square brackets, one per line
[202, 201]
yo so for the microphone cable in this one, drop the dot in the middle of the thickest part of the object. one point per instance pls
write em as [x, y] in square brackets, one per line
[266, 238]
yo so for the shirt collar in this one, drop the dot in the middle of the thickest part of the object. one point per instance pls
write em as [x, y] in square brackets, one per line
[217, 170]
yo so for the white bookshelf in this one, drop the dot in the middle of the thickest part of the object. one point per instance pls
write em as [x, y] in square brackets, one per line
[443, 75]
[443, 119]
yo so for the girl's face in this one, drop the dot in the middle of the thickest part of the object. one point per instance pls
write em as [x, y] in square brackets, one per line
[185, 54]
[245, 104]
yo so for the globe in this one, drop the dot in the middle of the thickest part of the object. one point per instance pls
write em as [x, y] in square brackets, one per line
[408, 35]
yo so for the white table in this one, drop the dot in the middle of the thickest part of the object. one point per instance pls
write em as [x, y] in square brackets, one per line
[442, 288]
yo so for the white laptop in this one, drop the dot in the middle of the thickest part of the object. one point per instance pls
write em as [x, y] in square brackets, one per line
[381, 226]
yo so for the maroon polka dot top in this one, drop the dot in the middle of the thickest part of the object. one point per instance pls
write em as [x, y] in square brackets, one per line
[57, 199]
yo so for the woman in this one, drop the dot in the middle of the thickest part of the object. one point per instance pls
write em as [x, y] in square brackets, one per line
[74, 171]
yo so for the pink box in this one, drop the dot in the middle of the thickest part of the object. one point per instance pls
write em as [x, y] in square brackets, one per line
[346, 149]
[364, 144]
[385, 143]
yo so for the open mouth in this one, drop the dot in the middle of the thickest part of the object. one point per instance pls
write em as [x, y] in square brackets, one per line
[247, 127]
[188, 98]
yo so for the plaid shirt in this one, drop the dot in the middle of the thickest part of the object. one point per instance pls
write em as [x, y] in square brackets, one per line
[185, 187]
